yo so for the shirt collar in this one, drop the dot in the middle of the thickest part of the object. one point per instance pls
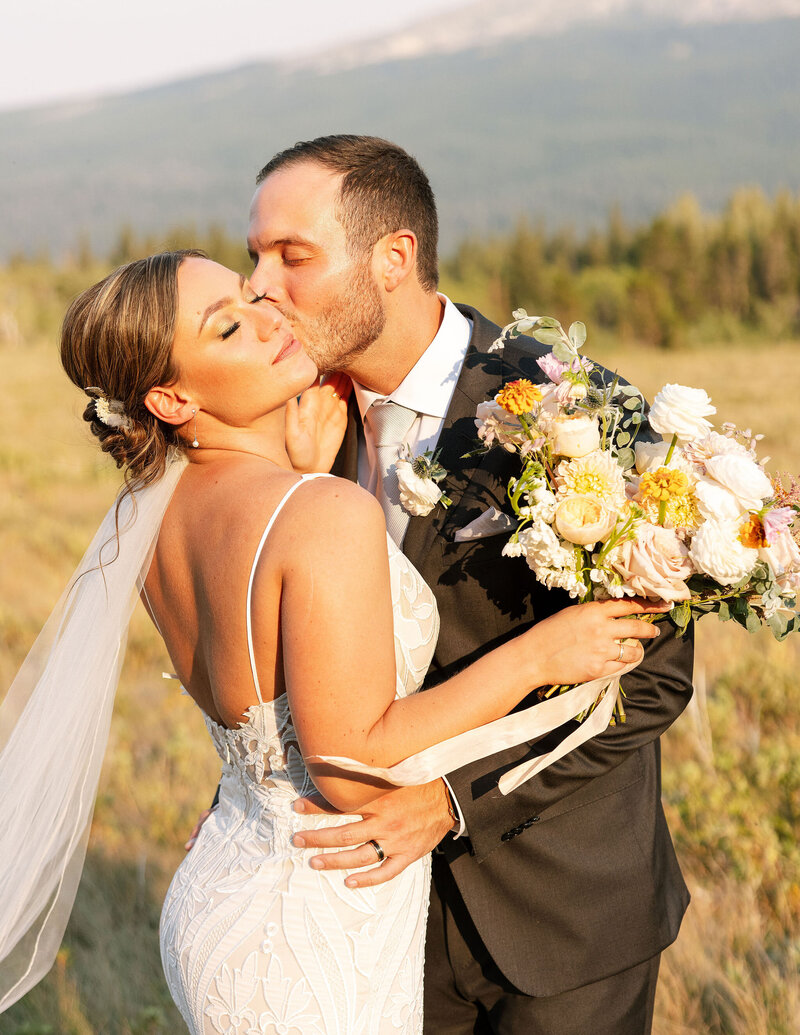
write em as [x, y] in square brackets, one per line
[428, 387]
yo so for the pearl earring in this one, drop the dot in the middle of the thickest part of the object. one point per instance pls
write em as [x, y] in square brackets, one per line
[195, 443]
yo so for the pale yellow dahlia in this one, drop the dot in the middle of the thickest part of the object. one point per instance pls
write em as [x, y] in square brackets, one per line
[597, 474]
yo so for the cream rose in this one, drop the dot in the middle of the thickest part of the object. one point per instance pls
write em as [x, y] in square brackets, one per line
[652, 455]
[417, 495]
[681, 411]
[741, 476]
[574, 436]
[584, 520]
[783, 556]
[655, 564]
[717, 551]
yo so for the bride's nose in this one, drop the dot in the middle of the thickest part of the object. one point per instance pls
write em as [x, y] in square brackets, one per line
[269, 320]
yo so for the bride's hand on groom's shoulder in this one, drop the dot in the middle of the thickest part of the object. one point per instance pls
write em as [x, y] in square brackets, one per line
[316, 423]
[406, 823]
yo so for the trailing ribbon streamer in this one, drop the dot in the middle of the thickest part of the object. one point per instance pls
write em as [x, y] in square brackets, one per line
[509, 731]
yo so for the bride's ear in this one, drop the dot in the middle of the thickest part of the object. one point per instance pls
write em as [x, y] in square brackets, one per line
[168, 405]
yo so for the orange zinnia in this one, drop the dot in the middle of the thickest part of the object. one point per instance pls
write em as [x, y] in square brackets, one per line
[752, 533]
[519, 396]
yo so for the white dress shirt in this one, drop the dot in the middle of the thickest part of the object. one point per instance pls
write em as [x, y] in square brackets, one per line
[427, 388]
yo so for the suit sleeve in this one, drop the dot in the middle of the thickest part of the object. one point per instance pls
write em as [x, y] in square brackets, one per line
[656, 694]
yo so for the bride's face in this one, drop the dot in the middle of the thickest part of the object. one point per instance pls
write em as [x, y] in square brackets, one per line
[236, 354]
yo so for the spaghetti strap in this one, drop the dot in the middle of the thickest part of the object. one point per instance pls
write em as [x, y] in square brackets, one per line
[270, 523]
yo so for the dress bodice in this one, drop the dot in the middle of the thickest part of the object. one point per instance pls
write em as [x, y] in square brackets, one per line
[263, 750]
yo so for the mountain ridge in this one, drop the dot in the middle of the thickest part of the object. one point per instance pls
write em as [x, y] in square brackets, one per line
[635, 112]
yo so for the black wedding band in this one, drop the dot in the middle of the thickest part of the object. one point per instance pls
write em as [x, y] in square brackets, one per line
[380, 852]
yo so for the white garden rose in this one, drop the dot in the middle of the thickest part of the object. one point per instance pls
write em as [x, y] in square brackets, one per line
[714, 444]
[740, 475]
[574, 436]
[584, 520]
[681, 411]
[417, 495]
[717, 551]
[715, 502]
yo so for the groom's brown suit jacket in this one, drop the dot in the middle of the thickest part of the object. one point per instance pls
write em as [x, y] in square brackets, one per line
[572, 877]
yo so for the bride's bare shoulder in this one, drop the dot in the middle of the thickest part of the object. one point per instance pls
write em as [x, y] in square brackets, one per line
[238, 498]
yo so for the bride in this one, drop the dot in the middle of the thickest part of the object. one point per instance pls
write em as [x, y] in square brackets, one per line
[298, 628]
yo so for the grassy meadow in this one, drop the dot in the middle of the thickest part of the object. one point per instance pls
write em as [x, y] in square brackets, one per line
[731, 763]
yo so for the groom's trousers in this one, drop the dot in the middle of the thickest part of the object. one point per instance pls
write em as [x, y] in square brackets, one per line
[466, 994]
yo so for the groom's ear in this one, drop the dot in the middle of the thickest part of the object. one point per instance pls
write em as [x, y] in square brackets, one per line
[168, 404]
[395, 258]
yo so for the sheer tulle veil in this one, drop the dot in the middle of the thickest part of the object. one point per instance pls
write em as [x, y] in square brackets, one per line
[54, 724]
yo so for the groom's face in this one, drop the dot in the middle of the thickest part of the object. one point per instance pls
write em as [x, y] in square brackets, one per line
[303, 266]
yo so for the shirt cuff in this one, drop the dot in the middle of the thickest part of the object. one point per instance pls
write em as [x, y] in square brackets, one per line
[459, 828]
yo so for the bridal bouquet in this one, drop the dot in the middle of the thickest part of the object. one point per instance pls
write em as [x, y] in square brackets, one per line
[693, 519]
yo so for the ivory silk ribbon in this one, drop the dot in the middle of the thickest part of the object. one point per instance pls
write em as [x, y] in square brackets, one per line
[516, 728]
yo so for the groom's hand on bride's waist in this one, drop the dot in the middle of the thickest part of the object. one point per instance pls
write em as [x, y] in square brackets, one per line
[405, 824]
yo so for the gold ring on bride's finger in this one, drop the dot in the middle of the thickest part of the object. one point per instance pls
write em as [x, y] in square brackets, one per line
[621, 654]
[336, 395]
[378, 849]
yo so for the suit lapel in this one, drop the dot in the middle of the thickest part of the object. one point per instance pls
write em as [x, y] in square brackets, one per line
[470, 483]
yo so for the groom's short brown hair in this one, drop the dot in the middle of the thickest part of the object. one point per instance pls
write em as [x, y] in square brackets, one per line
[383, 189]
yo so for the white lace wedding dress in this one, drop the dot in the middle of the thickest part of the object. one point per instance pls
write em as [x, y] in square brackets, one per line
[255, 942]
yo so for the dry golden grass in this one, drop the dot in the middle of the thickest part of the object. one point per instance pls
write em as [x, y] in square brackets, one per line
[731, 764]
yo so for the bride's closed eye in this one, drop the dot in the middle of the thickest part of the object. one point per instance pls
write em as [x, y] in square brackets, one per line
[237, 323]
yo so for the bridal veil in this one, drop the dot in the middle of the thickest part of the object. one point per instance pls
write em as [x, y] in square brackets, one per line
[54, 725]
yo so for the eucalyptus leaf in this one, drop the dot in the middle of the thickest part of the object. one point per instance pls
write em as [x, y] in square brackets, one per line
[752, 622]
[779, 625]
[626, 458]
[563, 352]
[632, 404]
[623, 438]
[547, 335]
[724, 611]
[637, 418]
[628, 390]
[548, 321]
[577, 333]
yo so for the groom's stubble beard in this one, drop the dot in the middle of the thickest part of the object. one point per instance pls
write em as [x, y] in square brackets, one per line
[347, 327]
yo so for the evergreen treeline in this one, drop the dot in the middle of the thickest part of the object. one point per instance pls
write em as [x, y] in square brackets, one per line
[686, 276]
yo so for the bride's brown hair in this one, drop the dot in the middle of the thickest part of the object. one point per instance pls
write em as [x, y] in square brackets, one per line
[117, 337]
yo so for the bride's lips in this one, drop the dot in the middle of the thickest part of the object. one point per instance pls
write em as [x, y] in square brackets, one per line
[289, 347]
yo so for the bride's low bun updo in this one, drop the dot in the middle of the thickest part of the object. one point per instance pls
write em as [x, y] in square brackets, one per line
[116, 344]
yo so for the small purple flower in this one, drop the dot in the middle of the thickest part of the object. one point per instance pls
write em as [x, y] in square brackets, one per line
[776, 522]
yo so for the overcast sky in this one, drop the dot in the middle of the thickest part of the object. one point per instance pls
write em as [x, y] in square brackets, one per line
[62, 49]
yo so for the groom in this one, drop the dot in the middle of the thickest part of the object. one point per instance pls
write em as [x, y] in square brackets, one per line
[550, 907]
